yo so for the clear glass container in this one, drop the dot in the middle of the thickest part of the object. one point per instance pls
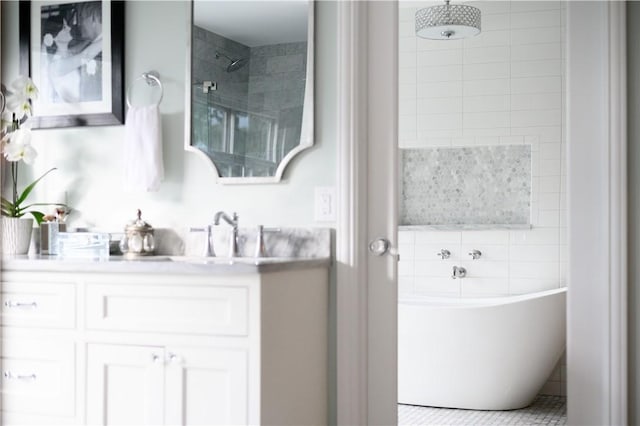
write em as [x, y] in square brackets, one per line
[85, 245]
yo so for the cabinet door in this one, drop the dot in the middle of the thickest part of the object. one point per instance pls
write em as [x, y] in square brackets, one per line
[38, 377]
[125, 385]
[206, 386]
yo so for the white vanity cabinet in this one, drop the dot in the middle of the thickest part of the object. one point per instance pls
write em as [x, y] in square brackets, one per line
[147, 385]
[154, 348]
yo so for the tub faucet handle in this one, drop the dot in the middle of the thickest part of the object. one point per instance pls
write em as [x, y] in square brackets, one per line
[475, 254]
[458, 272]
[444, 254]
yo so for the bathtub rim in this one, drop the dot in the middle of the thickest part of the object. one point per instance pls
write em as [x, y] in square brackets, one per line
[476, 301]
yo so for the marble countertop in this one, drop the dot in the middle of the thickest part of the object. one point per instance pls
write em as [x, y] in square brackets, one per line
[162, 264]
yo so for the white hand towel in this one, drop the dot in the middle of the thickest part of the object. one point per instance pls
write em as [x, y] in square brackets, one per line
[143, 167]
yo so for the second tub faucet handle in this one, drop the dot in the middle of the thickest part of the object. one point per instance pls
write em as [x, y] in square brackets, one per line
[444, 254]
[475, 254]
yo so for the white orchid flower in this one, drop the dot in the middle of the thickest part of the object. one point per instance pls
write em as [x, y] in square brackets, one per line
[19, 104]
[23, 87]
[19, 146]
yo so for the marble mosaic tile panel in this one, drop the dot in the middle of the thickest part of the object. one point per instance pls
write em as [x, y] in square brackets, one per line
[466, 186]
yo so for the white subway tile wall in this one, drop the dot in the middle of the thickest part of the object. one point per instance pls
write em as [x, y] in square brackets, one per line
[503, 87]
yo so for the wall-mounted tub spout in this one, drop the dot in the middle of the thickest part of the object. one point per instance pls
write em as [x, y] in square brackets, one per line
[458, 272]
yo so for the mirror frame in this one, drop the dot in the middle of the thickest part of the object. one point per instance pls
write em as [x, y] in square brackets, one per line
[308, 115]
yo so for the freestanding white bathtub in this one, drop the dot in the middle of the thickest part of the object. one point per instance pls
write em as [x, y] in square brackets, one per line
[481, 354]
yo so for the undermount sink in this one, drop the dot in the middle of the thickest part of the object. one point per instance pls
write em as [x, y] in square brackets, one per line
[201, 260]
[151, 258]
[223, 260]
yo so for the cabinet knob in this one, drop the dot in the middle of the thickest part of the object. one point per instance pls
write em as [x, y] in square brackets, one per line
[174, 358]
[156, 358]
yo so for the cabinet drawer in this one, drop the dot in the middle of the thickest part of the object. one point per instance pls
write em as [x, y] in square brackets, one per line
[27, 304]
[171, 309]
[38, 377]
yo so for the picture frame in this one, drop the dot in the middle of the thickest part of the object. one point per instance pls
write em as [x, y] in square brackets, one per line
[73, 50]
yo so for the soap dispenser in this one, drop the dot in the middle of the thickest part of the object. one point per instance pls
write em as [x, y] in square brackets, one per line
[138, 239]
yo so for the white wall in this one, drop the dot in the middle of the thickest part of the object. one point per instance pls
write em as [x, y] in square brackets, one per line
[89, 159]
[505, 86]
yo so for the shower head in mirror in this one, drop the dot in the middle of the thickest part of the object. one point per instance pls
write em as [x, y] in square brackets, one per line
[234, 64]
[249, 128]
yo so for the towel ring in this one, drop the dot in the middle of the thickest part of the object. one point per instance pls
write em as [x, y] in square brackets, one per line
[152, 78]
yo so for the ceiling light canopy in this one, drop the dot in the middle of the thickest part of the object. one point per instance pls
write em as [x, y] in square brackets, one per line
[448, 22]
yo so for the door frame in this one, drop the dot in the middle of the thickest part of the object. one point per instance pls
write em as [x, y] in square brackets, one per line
[367, 118]
[597, 358]
[597, 220]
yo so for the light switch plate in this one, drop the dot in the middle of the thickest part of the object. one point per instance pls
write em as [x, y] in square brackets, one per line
[325, 204]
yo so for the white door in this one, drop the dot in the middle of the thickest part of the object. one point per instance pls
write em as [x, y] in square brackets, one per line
[206, 386]
[366, 294]
[382, 211]
[125, 385]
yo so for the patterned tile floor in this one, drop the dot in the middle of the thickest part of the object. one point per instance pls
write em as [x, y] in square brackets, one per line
[545, 410]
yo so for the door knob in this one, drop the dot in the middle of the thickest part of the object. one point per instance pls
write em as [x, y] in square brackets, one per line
[379, 246]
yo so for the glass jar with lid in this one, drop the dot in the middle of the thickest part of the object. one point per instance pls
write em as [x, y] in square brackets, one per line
[138, 238]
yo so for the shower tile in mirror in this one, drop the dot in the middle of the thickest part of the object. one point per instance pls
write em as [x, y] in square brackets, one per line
[466, 186]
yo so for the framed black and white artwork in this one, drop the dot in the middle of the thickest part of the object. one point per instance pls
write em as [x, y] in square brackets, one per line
[74, 53]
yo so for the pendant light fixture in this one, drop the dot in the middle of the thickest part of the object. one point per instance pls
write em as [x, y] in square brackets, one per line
[448, 22]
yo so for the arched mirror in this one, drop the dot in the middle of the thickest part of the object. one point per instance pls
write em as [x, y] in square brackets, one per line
[250, 86]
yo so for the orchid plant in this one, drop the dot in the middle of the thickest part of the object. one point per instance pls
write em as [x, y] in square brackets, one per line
[16, 146]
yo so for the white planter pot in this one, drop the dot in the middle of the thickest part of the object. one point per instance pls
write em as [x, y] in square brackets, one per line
[15, 233]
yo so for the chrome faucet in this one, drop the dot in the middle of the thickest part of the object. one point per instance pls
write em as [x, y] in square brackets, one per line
[233, 221]
[458, 272]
